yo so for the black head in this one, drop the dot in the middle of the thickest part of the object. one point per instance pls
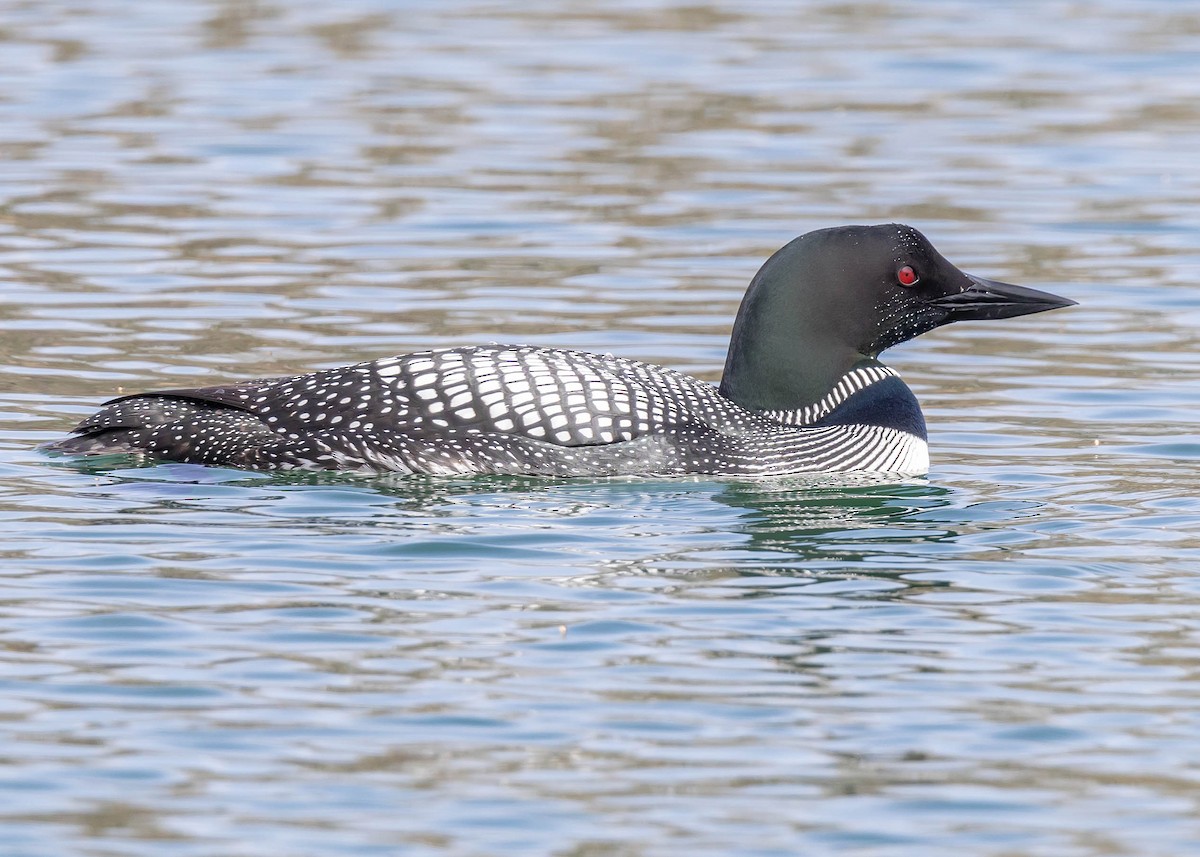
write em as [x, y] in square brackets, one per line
[833, 297]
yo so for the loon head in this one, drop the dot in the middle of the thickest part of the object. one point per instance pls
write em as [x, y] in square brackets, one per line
[833, 297]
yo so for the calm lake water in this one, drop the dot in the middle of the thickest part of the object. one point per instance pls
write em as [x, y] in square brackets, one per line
[1002, 659]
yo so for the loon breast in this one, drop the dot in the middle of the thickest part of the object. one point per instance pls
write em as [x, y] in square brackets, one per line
[514, 409]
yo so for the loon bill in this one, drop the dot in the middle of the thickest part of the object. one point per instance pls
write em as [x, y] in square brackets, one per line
[802, 390]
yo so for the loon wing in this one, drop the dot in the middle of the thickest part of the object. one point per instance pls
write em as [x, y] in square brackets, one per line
[503, 408]
[556, 396]
[139, 410]
[226, 396]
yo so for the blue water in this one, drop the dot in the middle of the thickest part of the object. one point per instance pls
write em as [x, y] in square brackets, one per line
[1000, 659]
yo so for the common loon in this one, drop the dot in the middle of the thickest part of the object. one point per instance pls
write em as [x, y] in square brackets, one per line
[801, 391]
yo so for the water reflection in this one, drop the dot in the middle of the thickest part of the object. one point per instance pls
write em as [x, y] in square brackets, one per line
[811, 526]
[874, 511]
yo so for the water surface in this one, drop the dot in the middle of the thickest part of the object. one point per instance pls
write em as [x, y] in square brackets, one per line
[1001, 659]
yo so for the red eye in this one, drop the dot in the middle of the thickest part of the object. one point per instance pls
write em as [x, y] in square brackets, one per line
[907, 276]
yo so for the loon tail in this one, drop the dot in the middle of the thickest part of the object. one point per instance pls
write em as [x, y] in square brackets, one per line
[167, 424]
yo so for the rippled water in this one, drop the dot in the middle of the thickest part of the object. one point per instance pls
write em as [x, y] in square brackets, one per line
[1002, 659]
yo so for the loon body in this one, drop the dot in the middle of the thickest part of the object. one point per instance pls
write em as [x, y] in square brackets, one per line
[801, 392]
